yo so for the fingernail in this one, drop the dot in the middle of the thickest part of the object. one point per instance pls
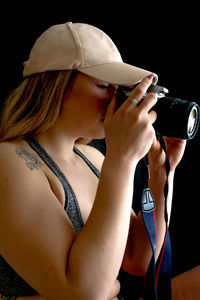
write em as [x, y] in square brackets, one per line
[151, 76]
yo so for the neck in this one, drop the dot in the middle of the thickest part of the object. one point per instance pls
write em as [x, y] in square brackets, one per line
[57, 143]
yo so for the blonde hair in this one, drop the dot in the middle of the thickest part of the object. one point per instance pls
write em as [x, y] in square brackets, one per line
[34, 106]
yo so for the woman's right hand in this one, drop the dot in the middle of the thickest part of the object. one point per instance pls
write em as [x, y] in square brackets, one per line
[128, 131]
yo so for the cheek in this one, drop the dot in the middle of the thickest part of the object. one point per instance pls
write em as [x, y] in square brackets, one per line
[100, 106]
[100, 100]
[87, 102]
[95, 103]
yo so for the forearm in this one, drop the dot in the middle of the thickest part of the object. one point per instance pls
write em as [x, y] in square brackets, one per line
[96, 255]
[157, 187]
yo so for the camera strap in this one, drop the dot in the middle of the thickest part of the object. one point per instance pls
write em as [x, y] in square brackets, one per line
[157, 285]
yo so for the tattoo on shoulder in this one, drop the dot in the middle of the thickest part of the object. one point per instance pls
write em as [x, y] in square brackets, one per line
[31, 160]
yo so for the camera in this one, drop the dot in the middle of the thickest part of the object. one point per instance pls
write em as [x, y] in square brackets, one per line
[175, 117]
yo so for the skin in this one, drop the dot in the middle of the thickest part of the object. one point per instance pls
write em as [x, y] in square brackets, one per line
[112, 232]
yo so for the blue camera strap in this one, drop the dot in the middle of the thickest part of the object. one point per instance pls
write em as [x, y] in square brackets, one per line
[157, 285]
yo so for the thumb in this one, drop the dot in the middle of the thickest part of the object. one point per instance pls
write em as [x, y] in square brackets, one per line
[111, 108]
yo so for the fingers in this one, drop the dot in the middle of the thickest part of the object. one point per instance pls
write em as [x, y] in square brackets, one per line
[114, 290]
[138, 93]
[141, 88]
[128, 130]
[148, 102]
[152, 116]
[111, 107]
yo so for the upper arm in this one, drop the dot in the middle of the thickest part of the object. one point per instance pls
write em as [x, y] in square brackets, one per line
[35, 232]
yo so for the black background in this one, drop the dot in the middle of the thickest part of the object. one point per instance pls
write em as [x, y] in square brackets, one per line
[163, 38]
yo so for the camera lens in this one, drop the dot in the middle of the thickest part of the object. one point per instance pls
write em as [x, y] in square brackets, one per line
[177, 118]
[192, 121]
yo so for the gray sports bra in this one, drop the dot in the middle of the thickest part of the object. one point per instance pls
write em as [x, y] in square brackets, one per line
[11, 284]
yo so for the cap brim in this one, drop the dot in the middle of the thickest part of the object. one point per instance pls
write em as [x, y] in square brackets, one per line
[118, 73]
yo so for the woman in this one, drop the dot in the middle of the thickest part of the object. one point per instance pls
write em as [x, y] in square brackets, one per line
[47, 170]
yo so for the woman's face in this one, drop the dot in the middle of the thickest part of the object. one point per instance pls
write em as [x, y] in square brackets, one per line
[85, 104]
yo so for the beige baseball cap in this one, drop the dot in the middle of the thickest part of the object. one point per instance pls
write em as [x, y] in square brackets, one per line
[84, 48]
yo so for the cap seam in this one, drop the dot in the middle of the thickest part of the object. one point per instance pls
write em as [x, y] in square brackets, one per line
[78, 42]
[101, 64]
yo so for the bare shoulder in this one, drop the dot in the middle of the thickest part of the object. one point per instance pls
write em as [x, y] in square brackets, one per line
[94, 155]
[20, 171]
[15, 155]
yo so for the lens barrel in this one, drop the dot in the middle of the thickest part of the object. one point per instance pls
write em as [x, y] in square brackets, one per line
[176, 117]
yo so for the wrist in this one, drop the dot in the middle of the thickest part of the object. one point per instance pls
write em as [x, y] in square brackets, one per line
[119, 164]
[158, 178]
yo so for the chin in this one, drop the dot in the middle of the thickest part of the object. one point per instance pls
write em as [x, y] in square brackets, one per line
[100, 134]
[97, 136]
[95, 132]
[98, 131]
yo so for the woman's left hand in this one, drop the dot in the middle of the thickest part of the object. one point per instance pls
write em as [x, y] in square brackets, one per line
[175, 150]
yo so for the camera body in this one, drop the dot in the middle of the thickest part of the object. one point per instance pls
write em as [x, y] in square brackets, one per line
[175, 117]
